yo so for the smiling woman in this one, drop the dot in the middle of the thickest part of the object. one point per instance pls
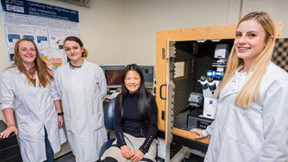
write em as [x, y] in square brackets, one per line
[27, 53]
[135, 120]
[251, 114]
[74, 52]
[132, 81]
[27, 89]
[250, 41]
[82, 88]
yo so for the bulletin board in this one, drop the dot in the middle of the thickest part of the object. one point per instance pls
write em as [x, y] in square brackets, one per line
[47, 25]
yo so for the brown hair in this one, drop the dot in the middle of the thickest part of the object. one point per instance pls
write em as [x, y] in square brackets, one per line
[44, 73]
[76, 39]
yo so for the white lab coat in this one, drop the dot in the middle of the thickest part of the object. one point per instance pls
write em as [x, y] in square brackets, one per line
[34, 109]
[258, 133]
[82, 91]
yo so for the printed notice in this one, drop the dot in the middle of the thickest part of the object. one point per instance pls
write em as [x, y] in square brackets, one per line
[47, 25]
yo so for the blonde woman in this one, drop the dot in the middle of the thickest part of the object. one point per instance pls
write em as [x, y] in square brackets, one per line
[251, 123]
[27, 89]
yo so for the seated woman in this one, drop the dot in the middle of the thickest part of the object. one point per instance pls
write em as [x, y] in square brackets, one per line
[135, 120]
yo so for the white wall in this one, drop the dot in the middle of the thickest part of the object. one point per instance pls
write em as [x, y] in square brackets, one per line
[144, 18]
[276, 8]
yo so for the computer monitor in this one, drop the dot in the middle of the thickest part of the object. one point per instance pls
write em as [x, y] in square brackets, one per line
[148, 74]
[113, 75]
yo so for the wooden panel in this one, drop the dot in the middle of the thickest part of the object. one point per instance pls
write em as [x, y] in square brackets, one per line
[161, 69]
[189, 135]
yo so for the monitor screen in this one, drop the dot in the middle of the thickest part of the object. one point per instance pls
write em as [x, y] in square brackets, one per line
[113, 75]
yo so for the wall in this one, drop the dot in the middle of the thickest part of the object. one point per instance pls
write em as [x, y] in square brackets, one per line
[144, 18]
[276, 8]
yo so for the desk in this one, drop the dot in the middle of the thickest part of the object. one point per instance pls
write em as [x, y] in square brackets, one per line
[182, 135]
[112, 95]
[9, 148]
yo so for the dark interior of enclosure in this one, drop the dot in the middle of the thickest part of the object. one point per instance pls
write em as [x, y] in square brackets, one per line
[198, 57]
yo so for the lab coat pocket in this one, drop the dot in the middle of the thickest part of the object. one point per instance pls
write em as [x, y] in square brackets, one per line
[97, 121]
[243, 125]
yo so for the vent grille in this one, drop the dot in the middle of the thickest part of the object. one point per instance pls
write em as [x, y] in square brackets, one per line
[83, 3]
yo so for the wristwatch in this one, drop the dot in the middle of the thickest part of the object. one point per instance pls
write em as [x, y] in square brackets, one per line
[60, 114]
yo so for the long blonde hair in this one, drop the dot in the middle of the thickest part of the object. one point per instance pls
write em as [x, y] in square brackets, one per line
[250, 90]
[44, 73]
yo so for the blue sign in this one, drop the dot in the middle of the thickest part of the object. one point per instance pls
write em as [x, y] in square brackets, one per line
[41, 38]
[39, 9]
[13, 36]
[29, 36]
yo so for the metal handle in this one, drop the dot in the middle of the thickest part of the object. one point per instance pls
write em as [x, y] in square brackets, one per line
[161, 86]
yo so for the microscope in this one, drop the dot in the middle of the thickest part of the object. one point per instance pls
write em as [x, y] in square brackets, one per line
[209, 84]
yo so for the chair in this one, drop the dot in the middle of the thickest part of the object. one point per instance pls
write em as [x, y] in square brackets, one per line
[109, 124]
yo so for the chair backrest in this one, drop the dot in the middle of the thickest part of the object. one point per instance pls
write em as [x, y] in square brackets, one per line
[109, 111]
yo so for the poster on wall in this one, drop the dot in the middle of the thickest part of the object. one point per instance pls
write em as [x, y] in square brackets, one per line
[47, 25]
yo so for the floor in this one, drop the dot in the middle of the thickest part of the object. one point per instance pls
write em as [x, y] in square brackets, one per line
[65, 155]
[66, 158]
[194, 158]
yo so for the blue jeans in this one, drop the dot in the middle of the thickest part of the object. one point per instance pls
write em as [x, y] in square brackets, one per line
[49, 150]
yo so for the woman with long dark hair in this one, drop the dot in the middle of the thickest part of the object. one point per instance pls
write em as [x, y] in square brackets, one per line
[135, 120]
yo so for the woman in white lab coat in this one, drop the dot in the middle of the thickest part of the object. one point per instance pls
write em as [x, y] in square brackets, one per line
[27, 89]
[82, 87]
[251, 122]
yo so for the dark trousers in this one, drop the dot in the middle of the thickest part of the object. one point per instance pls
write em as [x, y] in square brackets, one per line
[49, 150]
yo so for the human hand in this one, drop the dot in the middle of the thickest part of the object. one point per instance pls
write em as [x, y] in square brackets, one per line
[126, 152]
[60, 121]
[199, 132]
[137, 156]
[10, 129]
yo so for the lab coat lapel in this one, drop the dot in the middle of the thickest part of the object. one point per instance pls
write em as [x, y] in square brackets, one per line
[234, 85]
[229, 89]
